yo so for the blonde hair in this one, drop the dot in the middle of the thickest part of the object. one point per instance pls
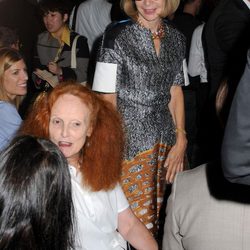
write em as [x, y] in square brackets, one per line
[8, 57]
[130, 9]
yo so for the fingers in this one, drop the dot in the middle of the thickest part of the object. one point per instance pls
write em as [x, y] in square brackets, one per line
[53, 67]
[173, 167]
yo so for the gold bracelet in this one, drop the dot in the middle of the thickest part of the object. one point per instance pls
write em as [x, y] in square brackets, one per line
[181, 130]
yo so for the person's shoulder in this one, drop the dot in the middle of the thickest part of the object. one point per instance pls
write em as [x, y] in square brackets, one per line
[113, 31]
[248, 57]
[82, 6]
[116, 27]
[200, 170]
[8, 112]
[192, 178]
[6, 106]
[43, 36]
[73, 35]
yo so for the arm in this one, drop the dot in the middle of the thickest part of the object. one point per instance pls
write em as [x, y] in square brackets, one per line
[229, 32]
[82, 61]
[112, 98]
[175, 158]
[172, 237]
[236, 146]
[9, 124]
[195, 53]
[134, 231]
[36, 64]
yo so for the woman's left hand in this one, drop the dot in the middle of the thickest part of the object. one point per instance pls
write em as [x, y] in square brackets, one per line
[54, 68]
[175, 159]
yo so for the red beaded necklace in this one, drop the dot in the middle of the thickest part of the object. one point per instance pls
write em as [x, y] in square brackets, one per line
[159, 34]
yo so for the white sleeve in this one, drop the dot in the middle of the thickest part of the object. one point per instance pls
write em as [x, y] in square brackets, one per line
[105, 77]
[195, 54]
[122, 202]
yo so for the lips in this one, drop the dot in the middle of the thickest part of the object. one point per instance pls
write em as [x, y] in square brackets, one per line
[49, 27]
[63, 144]
[149, 11]
[23, 85]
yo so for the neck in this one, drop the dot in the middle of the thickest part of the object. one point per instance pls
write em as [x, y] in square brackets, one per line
[58, 34]
[151, 25]
[74, 161]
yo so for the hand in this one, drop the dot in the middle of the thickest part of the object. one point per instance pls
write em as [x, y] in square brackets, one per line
[54, 68]
[175, 159]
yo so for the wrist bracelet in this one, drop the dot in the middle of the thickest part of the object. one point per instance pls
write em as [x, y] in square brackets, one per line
[181, 130]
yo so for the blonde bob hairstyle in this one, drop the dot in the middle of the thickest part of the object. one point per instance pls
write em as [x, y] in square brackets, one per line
[8, 57]
[130, 9]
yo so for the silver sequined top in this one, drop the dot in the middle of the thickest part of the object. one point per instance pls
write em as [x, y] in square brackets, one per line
[142, 81]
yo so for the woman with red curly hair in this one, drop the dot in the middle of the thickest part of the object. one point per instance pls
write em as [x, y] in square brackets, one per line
[88, 131]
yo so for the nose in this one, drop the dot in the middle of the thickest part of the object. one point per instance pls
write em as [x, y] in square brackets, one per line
[147, 2]
[65, 130]
[25, 75]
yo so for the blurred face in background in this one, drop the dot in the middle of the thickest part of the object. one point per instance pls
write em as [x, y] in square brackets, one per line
[14, 80]
[54, 22]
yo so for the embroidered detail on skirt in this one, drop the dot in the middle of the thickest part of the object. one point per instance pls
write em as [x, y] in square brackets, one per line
[143, 181]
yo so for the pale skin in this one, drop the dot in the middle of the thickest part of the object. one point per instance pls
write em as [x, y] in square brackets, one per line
[175, 158]
[69, 128]
[134, 231]
[14, 81]
[149, 16]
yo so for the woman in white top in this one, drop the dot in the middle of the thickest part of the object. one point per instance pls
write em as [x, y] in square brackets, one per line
[88, 132]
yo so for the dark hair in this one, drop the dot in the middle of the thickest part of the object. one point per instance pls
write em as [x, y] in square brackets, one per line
[35, 196]
[61, 6]
[8, 37]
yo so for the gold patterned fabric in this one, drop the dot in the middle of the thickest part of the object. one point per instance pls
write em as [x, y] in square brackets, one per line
[143, 182]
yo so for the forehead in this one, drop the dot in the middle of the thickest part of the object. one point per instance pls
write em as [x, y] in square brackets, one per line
[54, 12]
[68, 105]
[17, 65]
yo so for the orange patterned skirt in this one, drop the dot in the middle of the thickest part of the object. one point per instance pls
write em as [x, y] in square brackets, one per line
[143, 181]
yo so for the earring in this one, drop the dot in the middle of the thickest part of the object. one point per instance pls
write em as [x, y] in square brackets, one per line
[87, 143]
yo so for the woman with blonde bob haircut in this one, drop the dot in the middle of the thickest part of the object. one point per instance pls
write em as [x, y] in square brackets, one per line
[140, 69]
[13, 86]
[88, 131]
[130, 9]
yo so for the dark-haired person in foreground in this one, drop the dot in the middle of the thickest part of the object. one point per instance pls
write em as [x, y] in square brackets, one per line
[35, 196]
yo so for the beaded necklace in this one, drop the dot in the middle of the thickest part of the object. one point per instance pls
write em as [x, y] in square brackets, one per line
[159, 34]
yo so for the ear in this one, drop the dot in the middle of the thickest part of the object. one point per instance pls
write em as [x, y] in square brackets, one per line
[65, 17]
[90, 130]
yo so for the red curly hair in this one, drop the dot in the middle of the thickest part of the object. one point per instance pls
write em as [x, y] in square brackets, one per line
[101, 160]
